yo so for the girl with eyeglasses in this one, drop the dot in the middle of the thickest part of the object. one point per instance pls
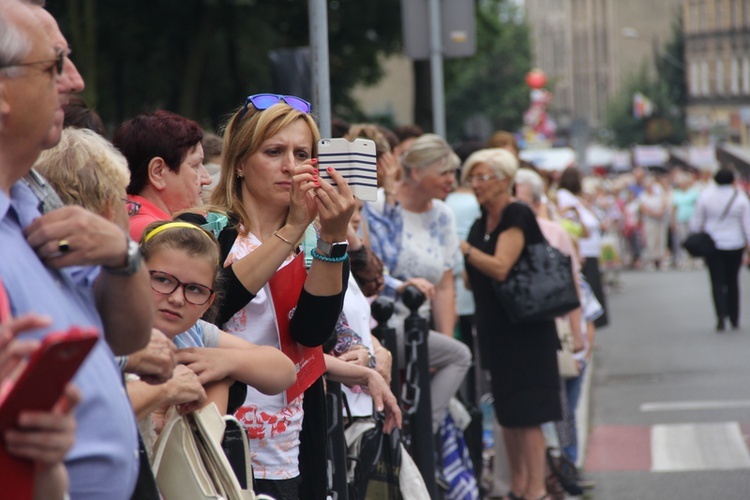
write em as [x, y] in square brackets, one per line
[183, 263]
[271, 190]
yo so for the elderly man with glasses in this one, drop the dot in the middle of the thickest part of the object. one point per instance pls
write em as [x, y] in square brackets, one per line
[69, 264]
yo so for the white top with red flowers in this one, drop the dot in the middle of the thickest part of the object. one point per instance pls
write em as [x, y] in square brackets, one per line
[273, 425]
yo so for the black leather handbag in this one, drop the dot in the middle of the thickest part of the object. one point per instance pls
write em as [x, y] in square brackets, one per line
[540, 286]
[699, 244]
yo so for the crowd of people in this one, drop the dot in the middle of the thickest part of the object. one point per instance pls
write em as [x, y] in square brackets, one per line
[646, 215]
[225, 270]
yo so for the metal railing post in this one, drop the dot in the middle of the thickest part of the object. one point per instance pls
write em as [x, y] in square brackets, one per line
[382, 310]
[417, 388]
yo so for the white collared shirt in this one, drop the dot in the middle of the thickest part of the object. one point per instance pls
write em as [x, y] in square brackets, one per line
[733, 231]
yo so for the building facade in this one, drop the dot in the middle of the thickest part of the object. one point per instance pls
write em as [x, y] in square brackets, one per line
[589, 48]
[717, 55]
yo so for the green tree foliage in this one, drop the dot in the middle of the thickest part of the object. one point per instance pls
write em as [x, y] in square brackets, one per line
[668, 92]
[491, 83]
[200, 58]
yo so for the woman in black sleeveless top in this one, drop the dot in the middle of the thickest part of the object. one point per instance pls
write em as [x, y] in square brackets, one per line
[521, 358]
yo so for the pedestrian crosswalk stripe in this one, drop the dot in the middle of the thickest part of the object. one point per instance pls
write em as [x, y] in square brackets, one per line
[706, 446]
[667, 448]
[695, 405]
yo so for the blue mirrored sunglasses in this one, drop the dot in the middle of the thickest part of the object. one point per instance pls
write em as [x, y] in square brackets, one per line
[265, 101]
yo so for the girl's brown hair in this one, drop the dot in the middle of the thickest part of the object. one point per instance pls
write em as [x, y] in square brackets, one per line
[195, 241]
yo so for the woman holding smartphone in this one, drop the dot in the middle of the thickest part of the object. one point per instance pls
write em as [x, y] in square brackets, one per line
[271, 190]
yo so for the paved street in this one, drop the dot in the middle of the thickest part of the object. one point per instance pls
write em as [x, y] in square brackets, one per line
[670, 397]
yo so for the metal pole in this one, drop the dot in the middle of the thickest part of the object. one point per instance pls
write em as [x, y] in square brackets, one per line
[436, 69]
[318, 17]
[336, 449]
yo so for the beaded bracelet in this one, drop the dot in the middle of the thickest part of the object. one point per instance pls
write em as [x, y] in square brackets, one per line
[316, 255]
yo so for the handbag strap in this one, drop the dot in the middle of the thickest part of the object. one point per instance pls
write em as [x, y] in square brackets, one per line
[724, 213]
[729, 205]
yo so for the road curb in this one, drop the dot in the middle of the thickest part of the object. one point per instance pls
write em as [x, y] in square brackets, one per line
[582, 414]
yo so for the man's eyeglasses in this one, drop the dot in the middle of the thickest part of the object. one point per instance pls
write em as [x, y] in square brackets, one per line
[55, 67]
[479, 178]
[133, 207]
[265, 101]
[166, 284]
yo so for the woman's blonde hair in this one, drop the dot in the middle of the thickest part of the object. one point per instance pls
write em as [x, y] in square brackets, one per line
[85, 169]
[428, 150]
[243, 136]
[501, 161]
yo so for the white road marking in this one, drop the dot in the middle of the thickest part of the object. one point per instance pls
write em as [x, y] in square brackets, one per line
[712, 446]
[695, 405]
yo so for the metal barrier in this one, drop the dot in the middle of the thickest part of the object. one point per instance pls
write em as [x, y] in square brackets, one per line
[336, 465]
[382, 310]
[416, 399]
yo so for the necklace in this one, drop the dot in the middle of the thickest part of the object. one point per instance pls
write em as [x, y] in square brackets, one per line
[489, 229]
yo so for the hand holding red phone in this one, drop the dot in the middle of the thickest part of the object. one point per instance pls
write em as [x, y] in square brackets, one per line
[13, 352]
[39, 383]
[45, 437]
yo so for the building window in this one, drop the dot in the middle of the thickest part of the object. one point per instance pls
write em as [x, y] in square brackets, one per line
[718, 21]
[746, 75]
[693, 17]
[735, 76]
[694, 80]
[735, 13]
[704, 78]
[720, 77]
[702, 16]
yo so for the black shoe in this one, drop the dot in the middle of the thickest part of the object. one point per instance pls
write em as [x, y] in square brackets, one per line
[735, 324]
[566, 472]
[720, 326]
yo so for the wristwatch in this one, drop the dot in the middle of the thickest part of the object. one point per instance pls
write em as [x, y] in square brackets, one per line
[133, 264]
[333, 250]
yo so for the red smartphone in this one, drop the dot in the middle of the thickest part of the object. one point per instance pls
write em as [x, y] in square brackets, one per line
[4, 304]
[48, 370]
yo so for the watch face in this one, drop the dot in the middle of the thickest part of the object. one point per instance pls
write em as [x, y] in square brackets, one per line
[339, 250]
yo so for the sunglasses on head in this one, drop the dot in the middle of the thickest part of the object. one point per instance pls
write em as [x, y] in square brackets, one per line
[265, 101]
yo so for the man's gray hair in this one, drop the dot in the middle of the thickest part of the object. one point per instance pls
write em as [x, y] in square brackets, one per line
[535, 182]
[14, 43]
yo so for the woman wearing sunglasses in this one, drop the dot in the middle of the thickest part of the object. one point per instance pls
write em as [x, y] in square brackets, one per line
[271, 190]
